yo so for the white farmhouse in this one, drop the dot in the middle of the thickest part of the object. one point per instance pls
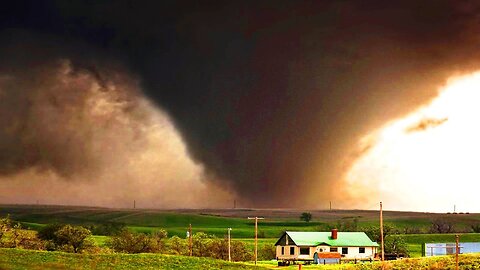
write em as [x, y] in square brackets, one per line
[307, 246]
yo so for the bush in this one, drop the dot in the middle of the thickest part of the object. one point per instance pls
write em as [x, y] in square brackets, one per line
[218, 249]
[6, 224]
[395, 244]
[73, 238]
[177, 246]
[26, 239]
[107, 228]
[201, 244]
[13, 236]
[47, 233]
[412, 230]
[345, 225]
[130, 242]
[267, 252]
[66, 238]
[475, 227]
[205, 245]
[159, 240]
[441, 225]
[239, 252]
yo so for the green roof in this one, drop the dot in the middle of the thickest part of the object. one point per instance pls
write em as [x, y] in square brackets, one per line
[344, 239]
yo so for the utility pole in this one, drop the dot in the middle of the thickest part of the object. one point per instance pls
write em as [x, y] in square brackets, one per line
[457, 250]
[381, 232]
[256, 236]
[330, 205]
[229, 252]
[190, 240]
[134, 204]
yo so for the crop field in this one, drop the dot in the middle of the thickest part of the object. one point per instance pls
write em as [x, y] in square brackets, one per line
[215, 221]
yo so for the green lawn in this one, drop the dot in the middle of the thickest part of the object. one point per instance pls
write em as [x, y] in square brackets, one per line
[17, 259]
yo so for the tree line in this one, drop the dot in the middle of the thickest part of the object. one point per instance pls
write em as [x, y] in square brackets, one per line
[77, 239]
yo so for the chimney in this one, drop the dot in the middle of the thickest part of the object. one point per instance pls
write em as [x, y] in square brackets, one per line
[334, 233]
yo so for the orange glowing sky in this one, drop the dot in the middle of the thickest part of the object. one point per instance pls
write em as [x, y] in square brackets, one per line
[427, 160]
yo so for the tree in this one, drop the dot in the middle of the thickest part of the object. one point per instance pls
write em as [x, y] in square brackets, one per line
[441, 225]
[47, 233]
[13, 236]
[158, 239]
[395, 244]
[267, 252]
[345, 225]
[219, 248]
[106, 228]
[200, 244]
[306, 216]
[475, 227]
[177, 246]
[240, 252]
[373, 232]
[129, 242]
[6, 224]
[74, 238]
[26, 239]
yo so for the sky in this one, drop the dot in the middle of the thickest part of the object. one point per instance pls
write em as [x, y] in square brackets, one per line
[279, 104]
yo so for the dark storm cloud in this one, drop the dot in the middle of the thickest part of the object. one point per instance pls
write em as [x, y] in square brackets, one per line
[271, 96]
[55, 112]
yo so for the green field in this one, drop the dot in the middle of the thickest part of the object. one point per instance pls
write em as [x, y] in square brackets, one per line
[18, 259]
[216, 221]
[27, 259]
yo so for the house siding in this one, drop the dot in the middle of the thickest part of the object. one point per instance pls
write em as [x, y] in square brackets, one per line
[353, 252]
[287, 255]
[320, 242]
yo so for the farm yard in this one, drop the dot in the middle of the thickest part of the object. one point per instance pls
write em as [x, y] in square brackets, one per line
[414, 228]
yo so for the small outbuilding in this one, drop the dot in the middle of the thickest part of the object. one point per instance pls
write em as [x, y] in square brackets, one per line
[331, 246]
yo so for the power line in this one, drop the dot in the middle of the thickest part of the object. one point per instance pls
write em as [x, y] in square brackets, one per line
[256, 235]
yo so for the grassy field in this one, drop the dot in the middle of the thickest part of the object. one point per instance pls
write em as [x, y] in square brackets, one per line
[17, 259]
[413, 241]
[215, 221]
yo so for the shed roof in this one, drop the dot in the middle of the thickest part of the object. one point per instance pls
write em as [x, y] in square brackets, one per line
[344, 239]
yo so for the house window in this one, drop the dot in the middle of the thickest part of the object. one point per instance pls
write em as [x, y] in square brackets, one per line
[333, 249]
[304, 251]
[292, 250]
[283, 250]
[345, 250]
[361, 250]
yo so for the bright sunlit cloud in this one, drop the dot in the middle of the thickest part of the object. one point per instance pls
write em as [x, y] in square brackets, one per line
[429, 160]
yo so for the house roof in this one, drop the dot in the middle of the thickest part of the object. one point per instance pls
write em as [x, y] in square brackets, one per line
[344, 239]
[329, 255]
